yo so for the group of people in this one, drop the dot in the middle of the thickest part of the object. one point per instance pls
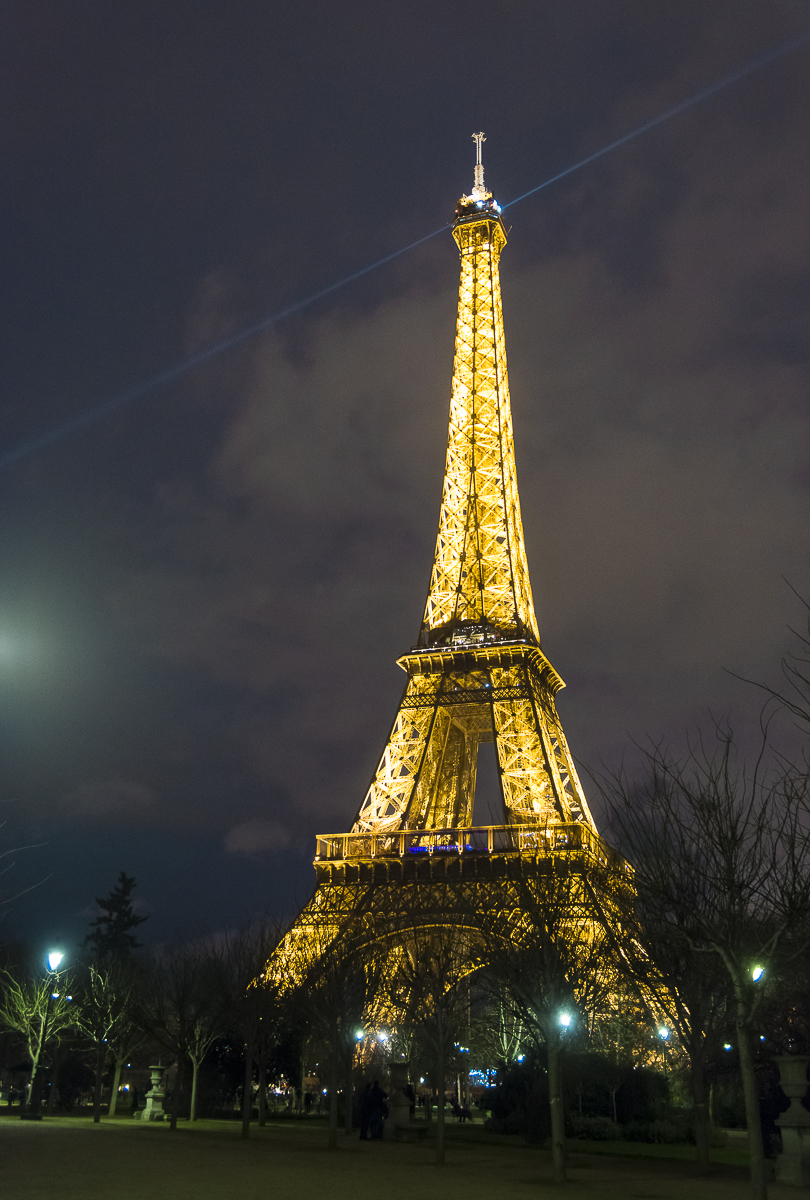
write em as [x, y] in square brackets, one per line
[373, 1111]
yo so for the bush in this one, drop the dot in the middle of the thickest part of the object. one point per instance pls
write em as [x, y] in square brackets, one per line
[664, 1132]
[592, 1129]
[515, 1122]
[520, 1102]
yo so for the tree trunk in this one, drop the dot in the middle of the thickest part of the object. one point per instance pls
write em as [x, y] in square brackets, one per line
[557, 1112]
[101, 1055]
[700, 1110]
[756, 1151]
[348, 1093]
[31, 1106]
[333, 1105]
[262, 1094]
[53, 1092]
[178, 1087]
[116, 1083]
[192, 1111]
[440, 1104]
[247, 1090]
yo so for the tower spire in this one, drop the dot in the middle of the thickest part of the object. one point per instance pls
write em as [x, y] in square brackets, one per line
[480, 574]
[479, 191]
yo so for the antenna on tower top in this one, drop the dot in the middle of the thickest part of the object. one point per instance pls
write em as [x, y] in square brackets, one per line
[479, 191]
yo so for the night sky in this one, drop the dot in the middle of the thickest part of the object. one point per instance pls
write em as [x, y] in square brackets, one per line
[203, 591]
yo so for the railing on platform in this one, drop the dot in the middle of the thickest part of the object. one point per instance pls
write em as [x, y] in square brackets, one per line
[545, 840]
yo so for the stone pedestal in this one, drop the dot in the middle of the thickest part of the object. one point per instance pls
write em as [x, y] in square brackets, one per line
[793, 1164]
[398, 1127]
[153, 1109]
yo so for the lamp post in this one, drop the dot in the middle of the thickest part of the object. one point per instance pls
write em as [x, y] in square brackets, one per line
[32, 1109]
[663, 1033]
[560, 1023]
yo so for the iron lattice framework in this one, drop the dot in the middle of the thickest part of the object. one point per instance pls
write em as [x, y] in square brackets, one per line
[477, 674]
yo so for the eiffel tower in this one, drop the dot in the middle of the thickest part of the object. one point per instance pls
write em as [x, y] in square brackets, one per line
[476, 674]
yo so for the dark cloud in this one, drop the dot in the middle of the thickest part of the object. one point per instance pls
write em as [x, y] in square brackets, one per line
[220, 579]
[109, 800]
[255, 837]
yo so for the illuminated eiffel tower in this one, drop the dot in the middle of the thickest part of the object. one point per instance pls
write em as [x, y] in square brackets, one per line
[477, 674]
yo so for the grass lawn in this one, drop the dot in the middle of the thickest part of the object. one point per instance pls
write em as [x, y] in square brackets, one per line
[122, 1159]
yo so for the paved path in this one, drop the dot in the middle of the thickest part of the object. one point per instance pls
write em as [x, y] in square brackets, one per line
[122, 1160]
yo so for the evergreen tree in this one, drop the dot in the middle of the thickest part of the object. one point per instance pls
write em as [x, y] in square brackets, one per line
[111, 935]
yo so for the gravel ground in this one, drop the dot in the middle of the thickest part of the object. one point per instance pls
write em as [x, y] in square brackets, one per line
[123, 1160]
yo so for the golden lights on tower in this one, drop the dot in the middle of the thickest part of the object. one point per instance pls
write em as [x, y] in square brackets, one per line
[477, 674]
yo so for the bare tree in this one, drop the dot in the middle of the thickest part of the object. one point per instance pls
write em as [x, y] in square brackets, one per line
[180, 1008]
[427, 980]
[42, 1010]
[335, 993]
[552, 955]
[128, 1038]
[793, 696]
[255, 1000]
[623, 1034]
[497, 1033]
[689, 993]
[106, 1014]
[722, 861]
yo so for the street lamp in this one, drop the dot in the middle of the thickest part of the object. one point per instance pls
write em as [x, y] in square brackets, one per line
[565, 1019]
[663, 1033]
[32, 1111]
[757, 973]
